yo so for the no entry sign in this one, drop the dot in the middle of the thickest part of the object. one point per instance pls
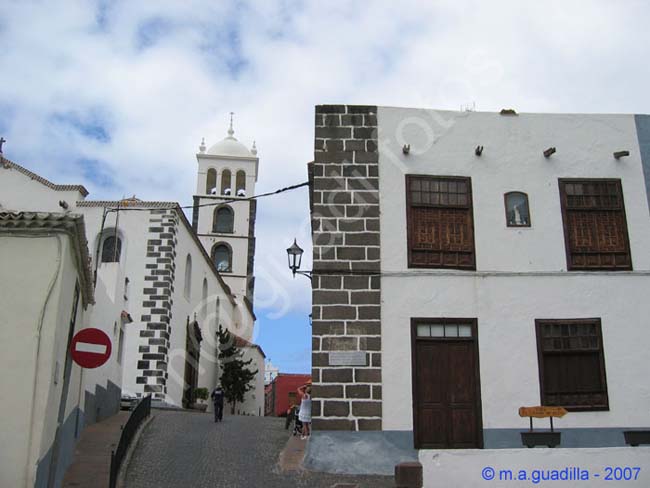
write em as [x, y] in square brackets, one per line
[90, 348]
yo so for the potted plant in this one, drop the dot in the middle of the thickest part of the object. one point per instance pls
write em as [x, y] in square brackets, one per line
[200, 399]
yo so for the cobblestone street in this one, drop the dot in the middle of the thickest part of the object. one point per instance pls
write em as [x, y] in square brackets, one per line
[183, 449]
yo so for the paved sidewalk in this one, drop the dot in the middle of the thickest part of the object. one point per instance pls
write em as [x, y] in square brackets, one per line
[186, 449]
[92, 458]
[292, 455]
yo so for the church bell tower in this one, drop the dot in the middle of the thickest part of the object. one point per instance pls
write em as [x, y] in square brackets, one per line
[223, 217]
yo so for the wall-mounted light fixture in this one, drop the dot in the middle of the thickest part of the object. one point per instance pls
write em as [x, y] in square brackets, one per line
[548, 152]
[294, 253]
[406, 149]
[479, 150]
[620, 154]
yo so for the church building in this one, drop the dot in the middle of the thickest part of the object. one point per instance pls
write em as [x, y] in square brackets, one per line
[158, 285]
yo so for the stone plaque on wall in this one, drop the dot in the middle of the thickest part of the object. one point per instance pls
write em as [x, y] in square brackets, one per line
[347, 358]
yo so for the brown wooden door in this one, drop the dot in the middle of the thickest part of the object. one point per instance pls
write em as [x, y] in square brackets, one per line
[446, 389]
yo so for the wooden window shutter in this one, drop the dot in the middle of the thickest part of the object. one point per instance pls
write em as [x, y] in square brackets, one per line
[595, 226]
[440, 223]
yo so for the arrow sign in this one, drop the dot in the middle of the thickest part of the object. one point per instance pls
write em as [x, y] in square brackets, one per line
[90, 348]
[542, 412]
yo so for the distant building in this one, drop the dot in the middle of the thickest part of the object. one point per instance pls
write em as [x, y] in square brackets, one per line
[254, 400]
[467, 264]
[270, 372]
[283, 392]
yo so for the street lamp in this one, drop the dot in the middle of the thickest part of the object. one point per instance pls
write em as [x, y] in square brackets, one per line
[294, 255]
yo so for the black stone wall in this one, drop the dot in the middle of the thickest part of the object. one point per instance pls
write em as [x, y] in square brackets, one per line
[160, 264]
[346, 292]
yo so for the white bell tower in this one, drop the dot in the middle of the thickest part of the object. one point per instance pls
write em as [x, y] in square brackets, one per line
[223, 218]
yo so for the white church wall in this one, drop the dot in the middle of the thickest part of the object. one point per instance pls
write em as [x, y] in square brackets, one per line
[110, 301]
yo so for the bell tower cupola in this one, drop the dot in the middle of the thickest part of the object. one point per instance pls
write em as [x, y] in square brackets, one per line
[224, 214]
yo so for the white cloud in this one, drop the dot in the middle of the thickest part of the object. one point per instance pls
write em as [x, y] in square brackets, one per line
[271, 62]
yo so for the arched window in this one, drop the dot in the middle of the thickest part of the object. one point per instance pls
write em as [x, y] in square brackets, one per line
[241, 184]
[225, 182]
[222, 257]
[111, 249]
[517, 211]
[204, 298]
[211, 182]
[224, 220]
[188, 277]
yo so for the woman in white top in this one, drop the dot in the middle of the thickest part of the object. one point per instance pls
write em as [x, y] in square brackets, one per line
[305, 410]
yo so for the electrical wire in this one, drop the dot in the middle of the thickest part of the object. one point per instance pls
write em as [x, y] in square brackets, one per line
[123, 205]
[121, 208]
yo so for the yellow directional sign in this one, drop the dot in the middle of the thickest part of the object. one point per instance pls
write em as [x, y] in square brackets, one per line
[542, 412]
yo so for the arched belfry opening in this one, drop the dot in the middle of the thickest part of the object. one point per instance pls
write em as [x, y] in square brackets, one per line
[211, 182]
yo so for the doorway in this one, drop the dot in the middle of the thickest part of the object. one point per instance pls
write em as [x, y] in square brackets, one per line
[446, 384]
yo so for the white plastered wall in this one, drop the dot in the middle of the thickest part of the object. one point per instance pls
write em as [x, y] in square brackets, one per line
[34, 380]
[22, 194]
[520, 271]
[254, 399]
[110, 296]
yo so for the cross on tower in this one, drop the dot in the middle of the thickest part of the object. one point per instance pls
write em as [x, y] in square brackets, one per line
[231, 131]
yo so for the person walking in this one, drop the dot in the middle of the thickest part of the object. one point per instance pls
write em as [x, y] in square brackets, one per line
[217, 400]
[305, 410]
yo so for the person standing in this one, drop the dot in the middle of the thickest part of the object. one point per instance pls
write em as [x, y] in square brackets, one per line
[217, 400]
[305, 410]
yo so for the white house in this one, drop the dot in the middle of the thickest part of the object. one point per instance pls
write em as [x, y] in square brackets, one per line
[467, 264]
[22, 190]
[45, 294]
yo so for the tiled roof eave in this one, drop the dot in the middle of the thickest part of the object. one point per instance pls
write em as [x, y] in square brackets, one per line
[8, 164]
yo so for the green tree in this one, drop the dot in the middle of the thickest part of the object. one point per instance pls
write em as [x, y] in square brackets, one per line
[236, 379]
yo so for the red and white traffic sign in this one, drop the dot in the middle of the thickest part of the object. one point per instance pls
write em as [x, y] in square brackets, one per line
[90, 348]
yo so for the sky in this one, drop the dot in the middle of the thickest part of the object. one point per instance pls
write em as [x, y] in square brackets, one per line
[116, 95]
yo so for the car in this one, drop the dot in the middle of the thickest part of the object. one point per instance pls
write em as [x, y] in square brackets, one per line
[128, 400]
